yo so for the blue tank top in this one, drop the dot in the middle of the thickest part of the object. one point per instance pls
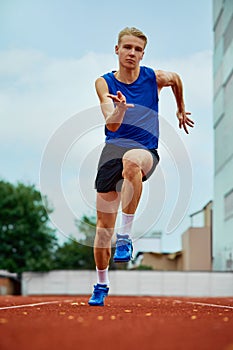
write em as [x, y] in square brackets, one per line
[140, 125]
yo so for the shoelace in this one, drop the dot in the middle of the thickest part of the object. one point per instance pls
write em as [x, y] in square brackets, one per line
[122, 244]
[98, 292]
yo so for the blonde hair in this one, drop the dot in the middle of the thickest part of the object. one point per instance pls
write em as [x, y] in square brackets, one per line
[132, 31]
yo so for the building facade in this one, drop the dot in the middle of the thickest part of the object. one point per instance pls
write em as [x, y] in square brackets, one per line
[223, 135]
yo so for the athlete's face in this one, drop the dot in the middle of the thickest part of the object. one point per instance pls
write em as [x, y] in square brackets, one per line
[130, 51]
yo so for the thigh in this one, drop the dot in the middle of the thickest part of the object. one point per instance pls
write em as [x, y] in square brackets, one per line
[109, 175]
[142, 157]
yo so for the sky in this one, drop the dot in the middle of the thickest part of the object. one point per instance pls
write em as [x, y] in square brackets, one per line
[51, 52]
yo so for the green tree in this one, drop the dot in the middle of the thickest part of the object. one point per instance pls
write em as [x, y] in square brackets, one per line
[27, 243]
[73, 255]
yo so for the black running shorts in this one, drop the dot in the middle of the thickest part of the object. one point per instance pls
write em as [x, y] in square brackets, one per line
[110, 167]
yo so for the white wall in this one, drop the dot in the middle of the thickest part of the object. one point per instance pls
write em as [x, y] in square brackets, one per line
[157, 283]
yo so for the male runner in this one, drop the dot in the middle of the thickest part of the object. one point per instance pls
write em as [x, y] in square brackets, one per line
[129, 103]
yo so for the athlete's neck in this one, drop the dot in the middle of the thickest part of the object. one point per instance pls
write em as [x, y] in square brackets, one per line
[127, 76]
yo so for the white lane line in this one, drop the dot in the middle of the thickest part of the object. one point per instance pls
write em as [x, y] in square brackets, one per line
[204, 304]
[36, 304]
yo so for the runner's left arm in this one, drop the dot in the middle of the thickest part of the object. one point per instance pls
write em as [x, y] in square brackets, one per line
[173, 80]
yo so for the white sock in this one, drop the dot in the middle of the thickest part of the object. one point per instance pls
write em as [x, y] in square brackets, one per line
[126, 224]
[102, 276]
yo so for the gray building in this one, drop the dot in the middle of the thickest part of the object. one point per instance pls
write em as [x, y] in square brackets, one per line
[223, 134]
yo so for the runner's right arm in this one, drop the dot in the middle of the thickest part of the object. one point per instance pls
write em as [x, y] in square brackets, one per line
[113, 112]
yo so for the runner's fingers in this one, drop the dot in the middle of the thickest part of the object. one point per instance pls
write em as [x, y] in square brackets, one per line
[185, 128]
[114, 98]
[120, 95]
[182, 124]
[190, 123]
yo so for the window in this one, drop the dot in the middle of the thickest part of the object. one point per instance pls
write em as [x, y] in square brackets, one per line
[228, 205]
[218, 29]
[229, 88]
[228, 35]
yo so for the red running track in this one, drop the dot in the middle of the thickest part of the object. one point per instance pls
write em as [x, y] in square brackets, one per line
[68, 322]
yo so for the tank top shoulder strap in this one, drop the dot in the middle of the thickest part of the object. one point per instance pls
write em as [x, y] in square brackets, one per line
[110, 80]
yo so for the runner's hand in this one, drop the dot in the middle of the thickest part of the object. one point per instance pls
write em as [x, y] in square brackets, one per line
[120, 101]
[184, 121]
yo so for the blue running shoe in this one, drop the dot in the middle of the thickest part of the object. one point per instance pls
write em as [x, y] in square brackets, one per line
[99, 294]
[124, 249]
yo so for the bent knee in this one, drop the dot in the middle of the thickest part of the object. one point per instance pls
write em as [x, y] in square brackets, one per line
[135, 161]
[130, 169]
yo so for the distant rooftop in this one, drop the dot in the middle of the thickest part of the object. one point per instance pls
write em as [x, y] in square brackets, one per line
[155, 234]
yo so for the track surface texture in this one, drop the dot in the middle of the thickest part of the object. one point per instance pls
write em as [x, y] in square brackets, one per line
[68, 322]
